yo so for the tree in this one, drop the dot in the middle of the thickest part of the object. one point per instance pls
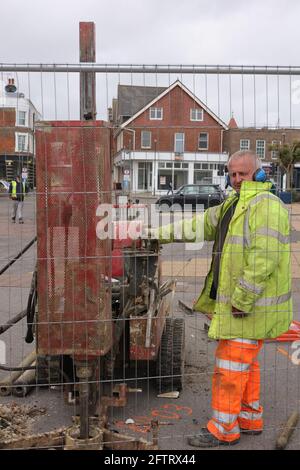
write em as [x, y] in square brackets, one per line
[287, 156]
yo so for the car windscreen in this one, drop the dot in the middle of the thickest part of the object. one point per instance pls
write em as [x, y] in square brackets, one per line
[208, 189]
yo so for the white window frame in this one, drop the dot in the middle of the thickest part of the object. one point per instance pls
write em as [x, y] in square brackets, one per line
[207, 140]
[257, 149]
[196, 116]
[179, 140]
[19, 119]
[156, 114]
[274, 153]
[17, 147]
[248, 144]
[150, 140]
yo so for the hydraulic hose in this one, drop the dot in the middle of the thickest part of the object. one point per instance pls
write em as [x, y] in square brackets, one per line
[32, 299]
[18, 255]
[13, 321]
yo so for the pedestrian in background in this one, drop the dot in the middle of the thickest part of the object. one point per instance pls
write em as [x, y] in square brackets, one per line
[170, 188]
[17, 191]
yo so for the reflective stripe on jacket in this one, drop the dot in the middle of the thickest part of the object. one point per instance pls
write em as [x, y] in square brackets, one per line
[255, 266]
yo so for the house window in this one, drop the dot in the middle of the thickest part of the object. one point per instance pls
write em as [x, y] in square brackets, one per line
[202, 176]
[21, 142]
[22, 118]
[244, 144]
[146, 139]
[260, 148]
[196, 114]
[156, 113]
[274, 153]
[203, 141]
[179, 142]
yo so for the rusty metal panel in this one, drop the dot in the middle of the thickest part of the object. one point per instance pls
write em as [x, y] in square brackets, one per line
[138, 327]
[73, 177]
[87, 39]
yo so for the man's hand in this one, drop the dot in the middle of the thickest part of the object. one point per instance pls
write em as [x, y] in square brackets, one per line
[149, 233]
[238, 313]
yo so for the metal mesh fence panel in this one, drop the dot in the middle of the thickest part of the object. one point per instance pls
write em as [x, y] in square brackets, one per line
[120, 357]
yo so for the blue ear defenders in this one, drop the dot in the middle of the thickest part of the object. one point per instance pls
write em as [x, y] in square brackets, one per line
[260, 176]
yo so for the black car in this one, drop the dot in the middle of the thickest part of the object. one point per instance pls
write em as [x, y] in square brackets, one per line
[191, 195]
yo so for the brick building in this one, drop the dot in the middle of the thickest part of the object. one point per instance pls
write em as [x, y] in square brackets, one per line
[164, 135]
[259, 140]
[17, 117]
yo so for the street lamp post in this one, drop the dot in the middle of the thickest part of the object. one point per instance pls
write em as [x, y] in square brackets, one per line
[155, 175]
[130, 152]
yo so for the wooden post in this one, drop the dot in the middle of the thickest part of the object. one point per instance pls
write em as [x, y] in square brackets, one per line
[87, 79]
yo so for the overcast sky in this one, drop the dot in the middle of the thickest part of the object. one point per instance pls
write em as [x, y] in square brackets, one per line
[153, 31]
[237, 32]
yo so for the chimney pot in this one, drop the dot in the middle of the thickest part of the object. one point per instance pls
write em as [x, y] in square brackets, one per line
[10, 87]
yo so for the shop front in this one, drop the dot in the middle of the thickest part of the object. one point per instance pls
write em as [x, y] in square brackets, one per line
[152, 173]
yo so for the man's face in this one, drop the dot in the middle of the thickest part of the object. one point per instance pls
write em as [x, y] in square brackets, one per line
[240, 169]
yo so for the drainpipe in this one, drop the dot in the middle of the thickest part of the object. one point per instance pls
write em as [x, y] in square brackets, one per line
[132, 149]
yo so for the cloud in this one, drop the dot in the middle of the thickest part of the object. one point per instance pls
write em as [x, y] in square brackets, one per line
[153, 32]
[158, 31]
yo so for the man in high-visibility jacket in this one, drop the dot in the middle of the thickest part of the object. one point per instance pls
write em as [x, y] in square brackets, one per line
[247, 292]
[17, 190]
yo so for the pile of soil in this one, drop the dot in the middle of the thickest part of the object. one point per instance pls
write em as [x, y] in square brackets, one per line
[16, 421]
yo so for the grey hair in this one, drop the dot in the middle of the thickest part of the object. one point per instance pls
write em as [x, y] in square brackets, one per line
[246, 153]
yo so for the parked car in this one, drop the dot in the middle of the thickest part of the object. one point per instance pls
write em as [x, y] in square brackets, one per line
[193, 194]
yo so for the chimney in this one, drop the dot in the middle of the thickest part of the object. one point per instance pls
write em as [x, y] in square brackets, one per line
[110, 114]
[232, 123]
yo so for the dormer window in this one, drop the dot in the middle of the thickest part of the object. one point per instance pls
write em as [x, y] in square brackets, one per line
[196, 114]
[156, 113]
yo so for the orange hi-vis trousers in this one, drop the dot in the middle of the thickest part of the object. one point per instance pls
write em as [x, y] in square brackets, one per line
[236, 389]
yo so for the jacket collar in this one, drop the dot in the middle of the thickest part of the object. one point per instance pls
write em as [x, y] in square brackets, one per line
[249, 189]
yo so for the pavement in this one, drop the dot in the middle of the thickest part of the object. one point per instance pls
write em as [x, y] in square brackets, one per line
[178, 418]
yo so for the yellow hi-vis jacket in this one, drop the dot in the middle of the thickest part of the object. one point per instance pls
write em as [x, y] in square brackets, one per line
[14, 190]
[255, 265]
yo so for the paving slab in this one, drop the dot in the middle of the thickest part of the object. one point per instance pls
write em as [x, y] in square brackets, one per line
[280, 388]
